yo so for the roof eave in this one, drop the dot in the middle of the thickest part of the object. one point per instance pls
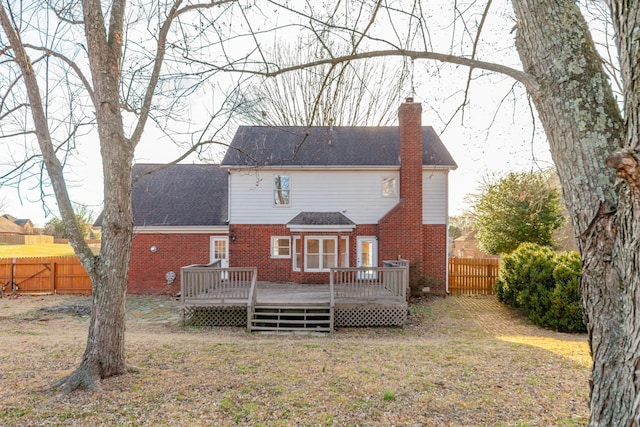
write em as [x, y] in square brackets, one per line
[301, 228]
[181, 229]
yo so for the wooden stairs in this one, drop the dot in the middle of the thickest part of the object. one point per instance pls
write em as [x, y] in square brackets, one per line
[280, 317]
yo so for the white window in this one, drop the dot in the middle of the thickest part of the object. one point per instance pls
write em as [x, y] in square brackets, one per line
[281, 190]
[343, 252]
[280, 247]
[297, 254]
[389, 187]
[320, 253]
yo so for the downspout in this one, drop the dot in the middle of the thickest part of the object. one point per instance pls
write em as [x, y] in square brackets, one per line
[228, 199]
[446, 258]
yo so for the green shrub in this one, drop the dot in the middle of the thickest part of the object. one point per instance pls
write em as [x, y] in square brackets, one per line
[529, 266]
[565, 311]
[544, 284]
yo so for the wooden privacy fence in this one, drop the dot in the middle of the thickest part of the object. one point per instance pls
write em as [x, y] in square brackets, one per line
[472, 276]
[46, 275]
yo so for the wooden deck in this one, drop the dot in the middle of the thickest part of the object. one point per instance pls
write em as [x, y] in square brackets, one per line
[354, 297]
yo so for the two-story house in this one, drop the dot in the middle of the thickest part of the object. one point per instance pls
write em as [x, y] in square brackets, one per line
[296, 201]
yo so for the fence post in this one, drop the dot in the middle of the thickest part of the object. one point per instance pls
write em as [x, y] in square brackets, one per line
[52, 279]
[13, 276]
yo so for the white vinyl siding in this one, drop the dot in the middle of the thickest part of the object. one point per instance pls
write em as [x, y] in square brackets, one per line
[434, 196]
[357, 194]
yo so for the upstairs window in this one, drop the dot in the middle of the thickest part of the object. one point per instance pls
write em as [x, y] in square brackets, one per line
[389, 187]
[281, 190]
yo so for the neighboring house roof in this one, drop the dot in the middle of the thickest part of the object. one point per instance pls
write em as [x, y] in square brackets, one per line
[179, 195]
[7, 226]
[22, 222]
[9, 217]
[255, 146]
[320, 218]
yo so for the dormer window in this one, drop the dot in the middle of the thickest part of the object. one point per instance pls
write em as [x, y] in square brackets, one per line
[281, 190]
[389, 187]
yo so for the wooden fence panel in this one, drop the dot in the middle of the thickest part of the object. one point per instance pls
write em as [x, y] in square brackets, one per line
[64, 275]
[71, 277]
[33, 275]
[472, 276]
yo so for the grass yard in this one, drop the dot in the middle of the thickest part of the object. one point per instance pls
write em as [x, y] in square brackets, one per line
[43, 250]
[461, 361]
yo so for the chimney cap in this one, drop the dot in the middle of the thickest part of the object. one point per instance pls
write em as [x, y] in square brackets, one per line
[409, 99]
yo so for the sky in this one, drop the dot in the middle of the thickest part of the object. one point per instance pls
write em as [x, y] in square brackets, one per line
[495, 133]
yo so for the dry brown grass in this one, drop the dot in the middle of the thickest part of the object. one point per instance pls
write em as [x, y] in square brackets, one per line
[463, 362]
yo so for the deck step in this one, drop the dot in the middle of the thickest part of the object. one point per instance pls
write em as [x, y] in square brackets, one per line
[283, 317]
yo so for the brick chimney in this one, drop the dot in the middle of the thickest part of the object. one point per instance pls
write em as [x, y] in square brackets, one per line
[410, 120]
[400, 231]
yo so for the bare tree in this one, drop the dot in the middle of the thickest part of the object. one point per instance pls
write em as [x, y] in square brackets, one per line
[357, 93]
[110, 70]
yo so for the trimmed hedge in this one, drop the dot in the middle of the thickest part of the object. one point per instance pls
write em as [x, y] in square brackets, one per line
[544, 284]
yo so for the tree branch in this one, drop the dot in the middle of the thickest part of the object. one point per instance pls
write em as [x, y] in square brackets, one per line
[175, 12]
[43, 134]
[473, 52]
[70, 63]
[518, 75]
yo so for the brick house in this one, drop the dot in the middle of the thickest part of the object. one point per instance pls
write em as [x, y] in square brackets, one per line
[296, 201]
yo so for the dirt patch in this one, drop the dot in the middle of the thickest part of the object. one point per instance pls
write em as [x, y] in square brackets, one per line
[462, 361]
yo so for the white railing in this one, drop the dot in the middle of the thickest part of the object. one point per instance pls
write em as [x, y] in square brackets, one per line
[202, 282]
[365, 282]
[252, 300]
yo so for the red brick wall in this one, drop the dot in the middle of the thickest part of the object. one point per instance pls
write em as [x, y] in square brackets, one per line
[252, 248]
[147, 269]
[435, 255]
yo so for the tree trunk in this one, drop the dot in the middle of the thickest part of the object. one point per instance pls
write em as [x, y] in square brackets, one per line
[583, 123]
[104, 355]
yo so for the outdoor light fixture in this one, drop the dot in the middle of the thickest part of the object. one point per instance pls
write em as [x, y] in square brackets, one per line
[233, 238]
[153, 249]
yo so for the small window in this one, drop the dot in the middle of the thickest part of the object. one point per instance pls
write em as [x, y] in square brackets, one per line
[389, 187]
[281, 190]
[280, 247]
[343, 256]
[297, 254]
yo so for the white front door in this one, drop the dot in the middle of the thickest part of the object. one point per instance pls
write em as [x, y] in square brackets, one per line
[367, 255]
[220, 251]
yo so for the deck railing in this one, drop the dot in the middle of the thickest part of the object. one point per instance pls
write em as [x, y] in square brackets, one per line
[365, 282]
[209, 281]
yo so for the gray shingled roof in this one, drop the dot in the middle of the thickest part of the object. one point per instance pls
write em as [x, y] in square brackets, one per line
[320, 218]
[179, 195]
[328, 146]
